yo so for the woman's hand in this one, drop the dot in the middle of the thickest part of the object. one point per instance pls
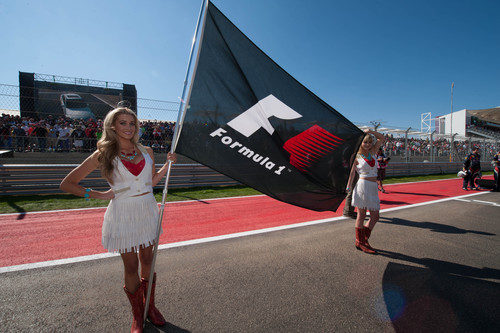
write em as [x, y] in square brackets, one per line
[172, 157]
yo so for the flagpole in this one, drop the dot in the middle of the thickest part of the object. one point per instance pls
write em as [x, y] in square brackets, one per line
[175, 138]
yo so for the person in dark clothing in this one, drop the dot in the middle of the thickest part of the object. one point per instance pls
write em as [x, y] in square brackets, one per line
[496, 170]
[472, 166]
[40, 132]
[382, 164]
[348, 207]
[20, 136]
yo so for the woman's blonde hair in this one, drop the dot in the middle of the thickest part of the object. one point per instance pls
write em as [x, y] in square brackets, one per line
[108, 145]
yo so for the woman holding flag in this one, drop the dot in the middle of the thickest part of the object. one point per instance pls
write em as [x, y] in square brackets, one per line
[130, 221]
[365, 194]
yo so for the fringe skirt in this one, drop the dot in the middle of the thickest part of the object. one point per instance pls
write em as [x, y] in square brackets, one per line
[365, 195]
[130, 223]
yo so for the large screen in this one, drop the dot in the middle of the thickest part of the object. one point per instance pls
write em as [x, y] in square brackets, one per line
[41, 98]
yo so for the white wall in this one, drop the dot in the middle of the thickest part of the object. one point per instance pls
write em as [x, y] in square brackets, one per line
[459, 122]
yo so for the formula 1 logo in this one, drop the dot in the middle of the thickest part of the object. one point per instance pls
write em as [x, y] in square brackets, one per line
[305, 148]
[309, 146]
[258, 116]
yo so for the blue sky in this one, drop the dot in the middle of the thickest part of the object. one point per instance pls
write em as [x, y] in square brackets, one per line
[386, 60]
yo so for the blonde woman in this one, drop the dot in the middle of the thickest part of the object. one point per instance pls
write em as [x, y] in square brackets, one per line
[130, 221]
[365, 194]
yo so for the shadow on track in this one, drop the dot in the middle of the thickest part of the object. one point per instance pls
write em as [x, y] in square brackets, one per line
[432, 226]
[442, 296]
[188, 197]
[20, 210]
[392, 202]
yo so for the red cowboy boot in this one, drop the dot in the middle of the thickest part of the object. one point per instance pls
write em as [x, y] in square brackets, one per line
[367, 233]
[360, 241]
[153, 313]
[136, 300]
[359, 236]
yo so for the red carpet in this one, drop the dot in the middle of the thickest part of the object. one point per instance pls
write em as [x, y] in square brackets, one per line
[37, 237]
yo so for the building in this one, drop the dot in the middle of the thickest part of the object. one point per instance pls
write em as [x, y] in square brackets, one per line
[484, 123]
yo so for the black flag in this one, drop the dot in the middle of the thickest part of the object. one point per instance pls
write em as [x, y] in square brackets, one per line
[250, 120]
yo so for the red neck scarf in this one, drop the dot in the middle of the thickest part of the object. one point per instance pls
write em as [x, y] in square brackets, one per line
[370, 160]
[134, 169]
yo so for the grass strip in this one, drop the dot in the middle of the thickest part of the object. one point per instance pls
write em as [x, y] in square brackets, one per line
[34, 203]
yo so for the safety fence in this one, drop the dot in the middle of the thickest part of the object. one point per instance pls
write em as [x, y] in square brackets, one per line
[29, 179]
[439, 148]
[52, 128]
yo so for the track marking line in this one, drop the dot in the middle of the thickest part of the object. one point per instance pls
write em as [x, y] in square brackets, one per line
[489, 203]
[59, 262]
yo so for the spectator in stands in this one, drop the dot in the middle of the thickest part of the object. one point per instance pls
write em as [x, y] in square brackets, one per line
[130, 221]
[382, 164]
[52, 138]
[5, 139]
[31, 137]
[472, 166]
[78, 135]
[40, 132]
[90, 137]
[98, 132]
[365, 194]
[19, 136]
[64, 137]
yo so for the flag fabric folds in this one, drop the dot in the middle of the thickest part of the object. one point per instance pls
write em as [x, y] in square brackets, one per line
[250, 120]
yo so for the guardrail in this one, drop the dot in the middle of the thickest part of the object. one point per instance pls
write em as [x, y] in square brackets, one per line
[18, 179]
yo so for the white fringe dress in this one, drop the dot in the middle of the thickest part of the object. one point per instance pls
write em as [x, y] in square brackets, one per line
[365, 193]
[130, 221]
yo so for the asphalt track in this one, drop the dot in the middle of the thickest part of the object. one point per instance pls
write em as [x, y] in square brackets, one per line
[437, 270]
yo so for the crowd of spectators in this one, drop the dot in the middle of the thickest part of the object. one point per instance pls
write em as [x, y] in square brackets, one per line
[62, 134]
[395, 146]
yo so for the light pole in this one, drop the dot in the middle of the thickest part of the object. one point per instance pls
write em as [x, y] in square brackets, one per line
[451, 121]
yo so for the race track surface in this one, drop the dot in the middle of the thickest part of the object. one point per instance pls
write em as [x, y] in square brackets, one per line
[35, 237]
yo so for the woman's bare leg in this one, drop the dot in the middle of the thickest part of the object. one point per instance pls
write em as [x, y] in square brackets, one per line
[360, 219]
[146, 258]
[374, 217]
[131, 271]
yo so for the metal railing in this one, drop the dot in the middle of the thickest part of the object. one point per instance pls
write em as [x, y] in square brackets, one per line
[30, 179]
[77, 81]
